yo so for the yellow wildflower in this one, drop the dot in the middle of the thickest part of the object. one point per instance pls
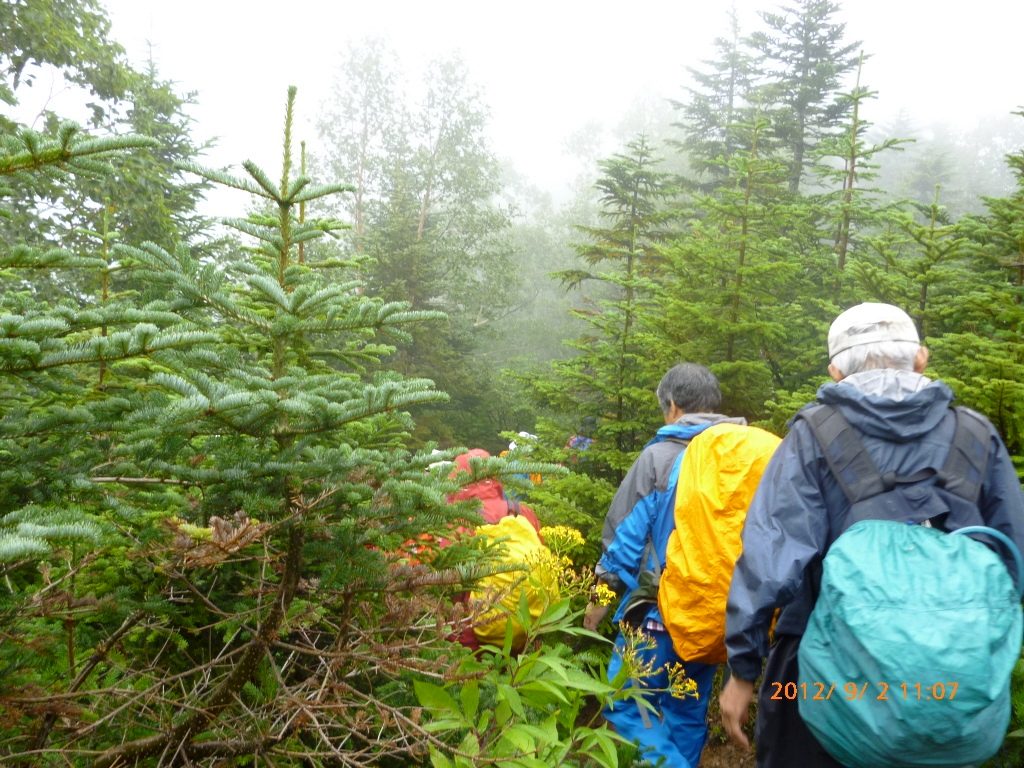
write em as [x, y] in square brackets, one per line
[636, 641]
[561, 539]
[679, 685]
[604, 595]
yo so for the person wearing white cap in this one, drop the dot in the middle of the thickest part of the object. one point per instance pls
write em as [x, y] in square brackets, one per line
[905, 422]
[875, 337]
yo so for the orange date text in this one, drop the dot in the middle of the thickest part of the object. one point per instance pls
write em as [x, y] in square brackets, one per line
[854, 691]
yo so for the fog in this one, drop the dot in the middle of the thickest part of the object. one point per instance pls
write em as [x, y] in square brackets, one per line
[546, 68]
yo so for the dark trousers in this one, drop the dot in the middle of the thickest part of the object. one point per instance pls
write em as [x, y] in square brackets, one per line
[782, 738]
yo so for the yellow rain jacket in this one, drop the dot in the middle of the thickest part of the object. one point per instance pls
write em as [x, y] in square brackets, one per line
[536, 577]
[717, 479]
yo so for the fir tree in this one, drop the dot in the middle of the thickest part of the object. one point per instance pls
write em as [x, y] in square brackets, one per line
[426, 216]
[718, 108]
[610, 380]
[980, 353]
[804, 59]
[216, 493]
[731, 298]
[845, 164]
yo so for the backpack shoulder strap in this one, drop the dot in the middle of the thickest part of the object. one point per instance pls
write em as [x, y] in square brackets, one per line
[513, 507]
[964, 470]
[673, 475]
[852, 467]
[650, 552]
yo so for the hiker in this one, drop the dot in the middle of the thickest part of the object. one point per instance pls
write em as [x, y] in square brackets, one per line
[580, 443]
[490, 492]
[906, 425]
[525, 448]
[641, 511]
[494, 507]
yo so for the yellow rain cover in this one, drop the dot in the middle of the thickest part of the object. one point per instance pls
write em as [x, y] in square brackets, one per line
[717, 479]
[538, 579]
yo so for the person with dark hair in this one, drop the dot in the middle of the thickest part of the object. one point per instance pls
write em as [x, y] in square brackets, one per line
[635, 537]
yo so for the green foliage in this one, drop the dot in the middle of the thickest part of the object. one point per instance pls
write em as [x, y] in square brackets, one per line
[530, 709]
[71, 35]
[969, 164]
[163, 197]
[846, 165]
[718, 109]
[576, 497]
[804, 59]
[740, 291]
[208, 511]
[149, 445]
[609, 380]
[220, 534]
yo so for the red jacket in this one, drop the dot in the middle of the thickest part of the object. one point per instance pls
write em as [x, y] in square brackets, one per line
[490, 493]
[494, 507]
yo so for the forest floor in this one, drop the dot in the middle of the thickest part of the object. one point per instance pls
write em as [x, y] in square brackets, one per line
[719, 754]
[720, 751]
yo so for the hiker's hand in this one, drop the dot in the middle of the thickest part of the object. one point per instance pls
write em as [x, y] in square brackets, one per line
[735, 705]
[595, 613]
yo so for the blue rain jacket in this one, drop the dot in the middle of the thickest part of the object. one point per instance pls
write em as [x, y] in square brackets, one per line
[643, 507]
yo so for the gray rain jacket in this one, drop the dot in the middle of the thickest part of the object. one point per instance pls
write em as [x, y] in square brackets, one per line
[905, 422]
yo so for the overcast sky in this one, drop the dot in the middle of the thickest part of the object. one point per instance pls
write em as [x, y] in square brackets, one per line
[547, 67]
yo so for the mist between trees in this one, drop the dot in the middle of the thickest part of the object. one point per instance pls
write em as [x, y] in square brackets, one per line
[215, 450]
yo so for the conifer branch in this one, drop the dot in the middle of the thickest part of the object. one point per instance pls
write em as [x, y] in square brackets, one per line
[256, 229]
[270, 191]
[119, 346]
[23, 257]
[97, 656]
[219, 699]
[142, 481]
[38, 152]
[322, 190]
[220, 177]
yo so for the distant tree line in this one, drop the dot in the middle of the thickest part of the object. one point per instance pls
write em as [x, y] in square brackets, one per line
[775, 225]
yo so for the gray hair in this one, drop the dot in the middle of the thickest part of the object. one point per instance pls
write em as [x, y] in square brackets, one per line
[880, 354]
[693, 388]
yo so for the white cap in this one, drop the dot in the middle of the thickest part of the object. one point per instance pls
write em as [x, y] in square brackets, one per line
[512, 445]
[869, 324]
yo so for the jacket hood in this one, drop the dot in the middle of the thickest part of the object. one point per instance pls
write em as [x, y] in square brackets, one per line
[485, 489]
[691, 424]
[897, 406]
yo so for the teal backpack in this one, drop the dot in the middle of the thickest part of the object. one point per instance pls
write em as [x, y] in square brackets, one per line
[907, 655]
